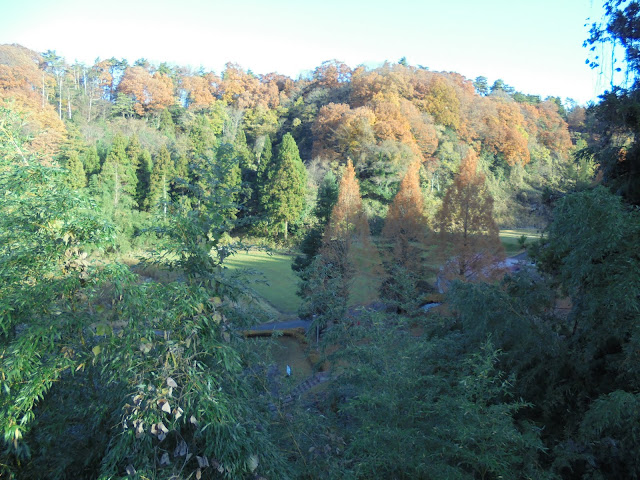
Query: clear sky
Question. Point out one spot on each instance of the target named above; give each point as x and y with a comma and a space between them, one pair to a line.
534, 46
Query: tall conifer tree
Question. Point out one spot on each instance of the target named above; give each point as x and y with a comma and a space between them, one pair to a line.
264, 160
134, 149
347, 231
91, 161
159, 182
118, 178
405, 225
467, 231
145, 167
77, 177
348, 220
284, 193
404, 236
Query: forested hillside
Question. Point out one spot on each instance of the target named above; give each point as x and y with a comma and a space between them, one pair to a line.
93, 116
126, 345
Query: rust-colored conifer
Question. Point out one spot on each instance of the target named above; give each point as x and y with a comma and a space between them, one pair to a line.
347, 230
404, 227
348, 220
467, 231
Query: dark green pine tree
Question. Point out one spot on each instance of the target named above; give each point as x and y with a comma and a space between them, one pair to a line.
264, 161
77, 177
91, 161
160, 182
134, 150
245, 156
179, 182
202, 138
229, 177
166, 125
284, 193
117, 180
327, 197
247, 164
145, 167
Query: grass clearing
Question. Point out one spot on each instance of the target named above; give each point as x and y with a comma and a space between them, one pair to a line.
274, 269
510, 239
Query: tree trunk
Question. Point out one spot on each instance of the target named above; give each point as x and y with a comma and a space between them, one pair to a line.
69, 103
60, 98
286, 228
164, 194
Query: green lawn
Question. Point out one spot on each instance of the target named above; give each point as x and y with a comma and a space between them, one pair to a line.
509, 239
281, 282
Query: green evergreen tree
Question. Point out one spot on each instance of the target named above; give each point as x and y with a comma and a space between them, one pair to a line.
327, 197
117, 180
123, 106
180, 177
166, 124
247, 164
77, 177
481, 85
134, 149
245, 157
202, 138
145, 167
284, 193
264, 160
91, 161
159, 183
229, 177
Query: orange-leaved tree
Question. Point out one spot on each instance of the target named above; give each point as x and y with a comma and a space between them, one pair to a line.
405, 225
348, 220
468, 234
347, 230
404, 235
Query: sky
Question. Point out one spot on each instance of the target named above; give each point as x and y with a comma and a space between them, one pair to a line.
534, 46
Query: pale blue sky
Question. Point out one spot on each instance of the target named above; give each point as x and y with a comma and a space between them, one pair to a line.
535, 46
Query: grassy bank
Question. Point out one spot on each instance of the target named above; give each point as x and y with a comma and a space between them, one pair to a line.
510, 239
270, 275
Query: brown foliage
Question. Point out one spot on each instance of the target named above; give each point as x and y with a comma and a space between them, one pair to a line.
348, 229
342, 132
425, 140
330, 117
331, 73
501, 127
243, 90
443, 103
468, 234
384, 108
348, 219
405, 225
200, 89
151, 93
21, 82
102, 71
553, 131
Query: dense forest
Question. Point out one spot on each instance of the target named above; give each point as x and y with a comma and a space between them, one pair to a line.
125, 345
